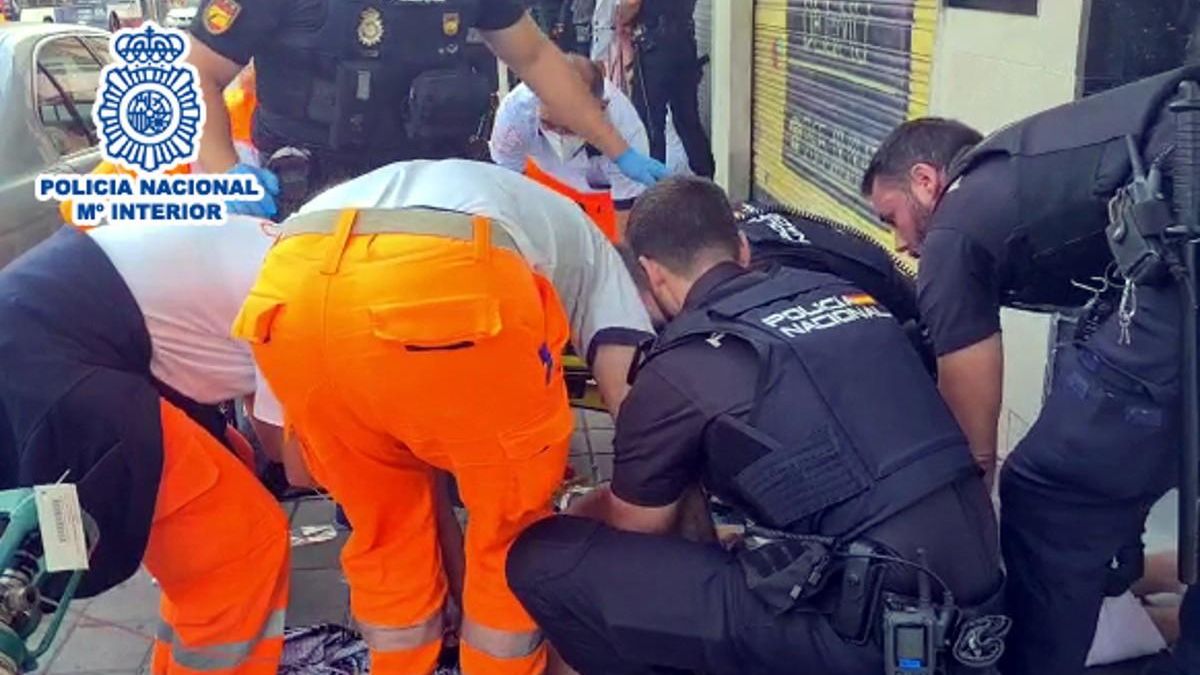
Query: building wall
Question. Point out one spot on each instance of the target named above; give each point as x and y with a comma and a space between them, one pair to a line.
730, 75
991, 69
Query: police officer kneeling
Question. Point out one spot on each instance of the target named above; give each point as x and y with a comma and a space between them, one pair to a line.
794, 397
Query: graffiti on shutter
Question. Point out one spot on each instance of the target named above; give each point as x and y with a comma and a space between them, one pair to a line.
831, 79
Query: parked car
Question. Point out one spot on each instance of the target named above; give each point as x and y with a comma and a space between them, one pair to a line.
181, 14
49, 74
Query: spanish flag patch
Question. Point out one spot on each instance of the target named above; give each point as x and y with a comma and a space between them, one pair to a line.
859, 299
219, 15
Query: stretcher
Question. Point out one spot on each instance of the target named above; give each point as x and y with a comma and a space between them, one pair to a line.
581, 388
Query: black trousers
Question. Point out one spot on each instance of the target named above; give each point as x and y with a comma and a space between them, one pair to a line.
668, 73
1076, 492
620, 603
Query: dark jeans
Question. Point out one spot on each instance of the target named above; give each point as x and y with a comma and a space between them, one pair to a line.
668, 74
1079, 486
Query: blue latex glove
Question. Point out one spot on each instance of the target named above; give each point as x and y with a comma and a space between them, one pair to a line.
645, 170
263, 208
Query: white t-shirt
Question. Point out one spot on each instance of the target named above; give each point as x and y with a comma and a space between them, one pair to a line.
516, 135
551, 232
190, 283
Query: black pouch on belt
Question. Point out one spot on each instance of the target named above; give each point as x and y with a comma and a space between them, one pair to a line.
783, 573
446, 104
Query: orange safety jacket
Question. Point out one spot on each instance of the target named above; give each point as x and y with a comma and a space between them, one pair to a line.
599, 206
241, 102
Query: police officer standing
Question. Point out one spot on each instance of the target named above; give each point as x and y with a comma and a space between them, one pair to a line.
863, 499
345, 87
668, 73
1014, 221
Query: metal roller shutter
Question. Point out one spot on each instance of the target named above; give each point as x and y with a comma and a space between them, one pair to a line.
831, 79
704, 40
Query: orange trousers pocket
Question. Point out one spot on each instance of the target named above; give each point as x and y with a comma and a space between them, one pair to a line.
219, 549
397, 353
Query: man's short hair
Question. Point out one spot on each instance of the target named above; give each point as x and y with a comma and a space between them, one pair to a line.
640, 279
930, 140
680, 220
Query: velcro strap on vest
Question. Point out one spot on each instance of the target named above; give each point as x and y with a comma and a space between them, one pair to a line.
938, 465
822, 463
501, 644
408, 638
417, 221
220, 657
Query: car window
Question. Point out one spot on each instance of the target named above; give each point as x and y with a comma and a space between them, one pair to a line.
67, 78
99, 47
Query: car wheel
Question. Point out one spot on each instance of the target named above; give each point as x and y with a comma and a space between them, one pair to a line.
47, 19
114, 24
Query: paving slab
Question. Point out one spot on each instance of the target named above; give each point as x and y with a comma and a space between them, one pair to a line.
103, 646
318, 596
322, 556
135, 600
601, 441
594, 419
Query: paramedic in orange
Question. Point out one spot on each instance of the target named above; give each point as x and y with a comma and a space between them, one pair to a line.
115, 352
412, 319
528, 138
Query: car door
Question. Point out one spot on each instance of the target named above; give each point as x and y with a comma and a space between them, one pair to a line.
64, 75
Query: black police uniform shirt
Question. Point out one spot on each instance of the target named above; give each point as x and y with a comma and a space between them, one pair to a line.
964, 259
658, 448
236, 29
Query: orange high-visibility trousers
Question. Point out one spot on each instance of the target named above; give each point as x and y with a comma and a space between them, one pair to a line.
219, 549
396, 353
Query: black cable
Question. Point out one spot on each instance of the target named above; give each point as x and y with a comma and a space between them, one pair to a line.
830, 542
947, 594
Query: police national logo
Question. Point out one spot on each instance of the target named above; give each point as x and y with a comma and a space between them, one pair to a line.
148, 113
828, 312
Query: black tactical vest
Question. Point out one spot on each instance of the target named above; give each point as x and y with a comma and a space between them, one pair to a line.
846, 429
779, 235
370, 76
1069, 161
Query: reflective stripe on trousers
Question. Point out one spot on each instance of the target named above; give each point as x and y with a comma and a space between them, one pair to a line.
387, 639
219, 657
501, 644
